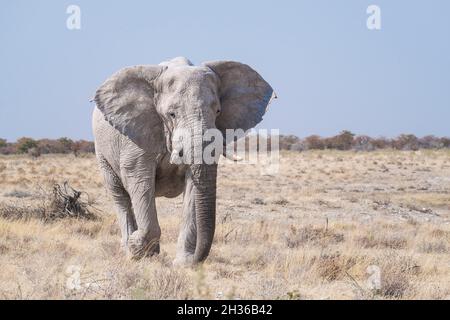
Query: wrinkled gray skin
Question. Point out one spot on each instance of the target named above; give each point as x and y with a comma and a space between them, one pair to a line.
137, 109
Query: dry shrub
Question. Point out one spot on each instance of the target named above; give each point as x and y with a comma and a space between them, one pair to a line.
441, 234
21, 211
89, 230
381, 241
270, 287
259, 201
221, 272
280, 201
333, 266
256, 259
62, 202
309, 234
243, 234
18, 194
168, 284
161, 284
433, 247
397, 273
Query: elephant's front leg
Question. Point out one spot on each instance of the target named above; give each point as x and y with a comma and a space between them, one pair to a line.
188, 231
145, 240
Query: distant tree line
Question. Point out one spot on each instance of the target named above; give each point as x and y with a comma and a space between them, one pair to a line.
45, 146
346, 140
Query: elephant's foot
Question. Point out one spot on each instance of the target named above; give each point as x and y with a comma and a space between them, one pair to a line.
142, 245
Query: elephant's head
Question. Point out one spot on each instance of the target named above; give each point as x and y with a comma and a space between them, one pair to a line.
153, 104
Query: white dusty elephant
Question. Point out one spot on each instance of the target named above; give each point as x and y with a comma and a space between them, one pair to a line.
137, 112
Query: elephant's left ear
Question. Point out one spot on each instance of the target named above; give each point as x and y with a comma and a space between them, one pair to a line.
244, 95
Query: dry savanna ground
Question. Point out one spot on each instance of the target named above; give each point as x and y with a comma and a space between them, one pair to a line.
329, 225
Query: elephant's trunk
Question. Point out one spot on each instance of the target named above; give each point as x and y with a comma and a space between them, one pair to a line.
204, 179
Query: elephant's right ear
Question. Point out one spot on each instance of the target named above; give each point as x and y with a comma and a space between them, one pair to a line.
126, 99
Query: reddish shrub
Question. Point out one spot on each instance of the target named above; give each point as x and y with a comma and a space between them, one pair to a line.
406, 142
315, 142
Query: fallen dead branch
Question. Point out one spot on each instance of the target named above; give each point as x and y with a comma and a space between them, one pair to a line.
62, 201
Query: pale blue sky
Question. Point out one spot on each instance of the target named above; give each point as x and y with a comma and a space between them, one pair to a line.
329, 71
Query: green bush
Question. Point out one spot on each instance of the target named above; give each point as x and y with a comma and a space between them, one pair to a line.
24, 144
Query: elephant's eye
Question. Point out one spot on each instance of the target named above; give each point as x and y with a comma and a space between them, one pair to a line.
172, 115
218, 111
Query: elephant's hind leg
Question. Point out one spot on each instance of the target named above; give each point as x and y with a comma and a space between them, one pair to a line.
121, 200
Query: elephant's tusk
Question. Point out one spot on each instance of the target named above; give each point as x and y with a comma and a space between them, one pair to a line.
233, 157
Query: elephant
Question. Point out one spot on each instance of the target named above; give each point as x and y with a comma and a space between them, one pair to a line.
137, 110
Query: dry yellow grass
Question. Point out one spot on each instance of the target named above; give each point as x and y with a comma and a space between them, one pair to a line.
310, 232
